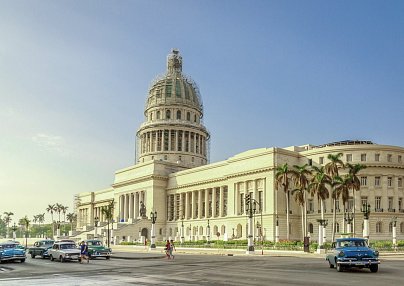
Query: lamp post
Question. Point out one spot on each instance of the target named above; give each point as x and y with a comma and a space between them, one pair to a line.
14, 228
394, 223
208, 230
249, 209
182, 229
96, 220
325, 223
58, 228
277, 229
348, 217
153, 216
366, 213
321, 222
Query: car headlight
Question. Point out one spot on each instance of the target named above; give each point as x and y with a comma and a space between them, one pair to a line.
67, 255
376, 253
341, 254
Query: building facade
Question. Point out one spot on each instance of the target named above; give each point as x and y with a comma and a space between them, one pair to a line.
196, 200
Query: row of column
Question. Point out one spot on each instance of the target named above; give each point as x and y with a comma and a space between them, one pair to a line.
206, 203
130, 206
253, 188
173, 140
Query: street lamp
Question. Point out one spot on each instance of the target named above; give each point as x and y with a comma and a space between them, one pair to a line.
250, 209
153, 217
394, 224
182, 229
277, 229
208, 230
366, 213
14, 228
190, 232
96, 220
321, 226
348, 217
325, 223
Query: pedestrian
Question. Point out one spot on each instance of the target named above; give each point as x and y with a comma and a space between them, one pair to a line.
172, 248
167, 249
145, 243
84, 252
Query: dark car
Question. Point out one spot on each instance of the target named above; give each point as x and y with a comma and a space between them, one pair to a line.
97, 249
352, 252
41, 248
12, 251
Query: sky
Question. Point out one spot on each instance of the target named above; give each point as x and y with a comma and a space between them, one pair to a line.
74, 78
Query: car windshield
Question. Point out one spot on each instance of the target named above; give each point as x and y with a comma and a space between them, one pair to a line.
4, 246
67, 246
352, 243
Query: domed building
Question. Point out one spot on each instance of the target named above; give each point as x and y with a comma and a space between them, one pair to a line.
174, 189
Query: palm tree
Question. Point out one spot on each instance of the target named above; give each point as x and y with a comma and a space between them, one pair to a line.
24, 222
318, 186
331, 168
71, 217
41, 220
300, 176
354, 184
59, 209
108, 211
51, 209
282, 177
341, 189
7, 220
64, 210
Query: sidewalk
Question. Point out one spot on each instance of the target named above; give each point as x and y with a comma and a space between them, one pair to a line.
140, 252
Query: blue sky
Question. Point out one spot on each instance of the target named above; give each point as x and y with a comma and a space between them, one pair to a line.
74, 77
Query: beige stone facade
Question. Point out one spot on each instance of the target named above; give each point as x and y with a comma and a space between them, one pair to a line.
196, 200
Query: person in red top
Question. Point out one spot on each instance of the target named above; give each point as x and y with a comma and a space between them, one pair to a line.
167, 249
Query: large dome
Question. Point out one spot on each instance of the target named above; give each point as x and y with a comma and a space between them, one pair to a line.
173, 87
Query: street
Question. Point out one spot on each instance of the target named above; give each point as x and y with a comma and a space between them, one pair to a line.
188, 269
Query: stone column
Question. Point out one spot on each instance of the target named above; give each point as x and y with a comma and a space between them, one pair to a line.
193, 202
206, 203
121, 207
137, 202
199, 204
221, 201
131, 209
214, 214
187, 207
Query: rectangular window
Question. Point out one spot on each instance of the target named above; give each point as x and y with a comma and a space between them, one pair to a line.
363, 157
391, 204
389, 181
364, 181
400, 182
364, 201
311, 206
377, 157
400, 204
349, 157
337, 205
378, 203
350, 204
377, 181
399, 159
321, 160
389, 158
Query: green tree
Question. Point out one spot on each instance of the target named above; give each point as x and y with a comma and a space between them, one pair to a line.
71, 217
354, 184
7, 220
24, 222
108, 212
341, 189
282, 179
331, 168
51, 209
301, 176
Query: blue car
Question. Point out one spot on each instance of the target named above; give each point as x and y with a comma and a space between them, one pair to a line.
12, 251
352, 252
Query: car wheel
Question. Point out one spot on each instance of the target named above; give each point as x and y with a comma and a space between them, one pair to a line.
108, 257
374, 268
340, 268
22, 260
32, 255
61, 259
51, 258
330, 264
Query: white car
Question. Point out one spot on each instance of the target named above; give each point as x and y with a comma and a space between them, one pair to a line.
64, 251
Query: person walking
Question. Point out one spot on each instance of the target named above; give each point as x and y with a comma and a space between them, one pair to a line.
172, 248
84, 252
167, 249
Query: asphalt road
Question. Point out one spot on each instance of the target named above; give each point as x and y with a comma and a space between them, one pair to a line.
188, 269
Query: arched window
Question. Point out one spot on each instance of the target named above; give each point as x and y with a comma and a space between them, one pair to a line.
188, 116
151, 116
201, 230
195, 118
379, 227
390, 227
178, 114
337, 227
311, 228
168, 114
158, 114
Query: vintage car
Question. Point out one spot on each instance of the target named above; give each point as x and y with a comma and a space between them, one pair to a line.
64, 251
41, 248
97, 249
12, 251
352, 252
